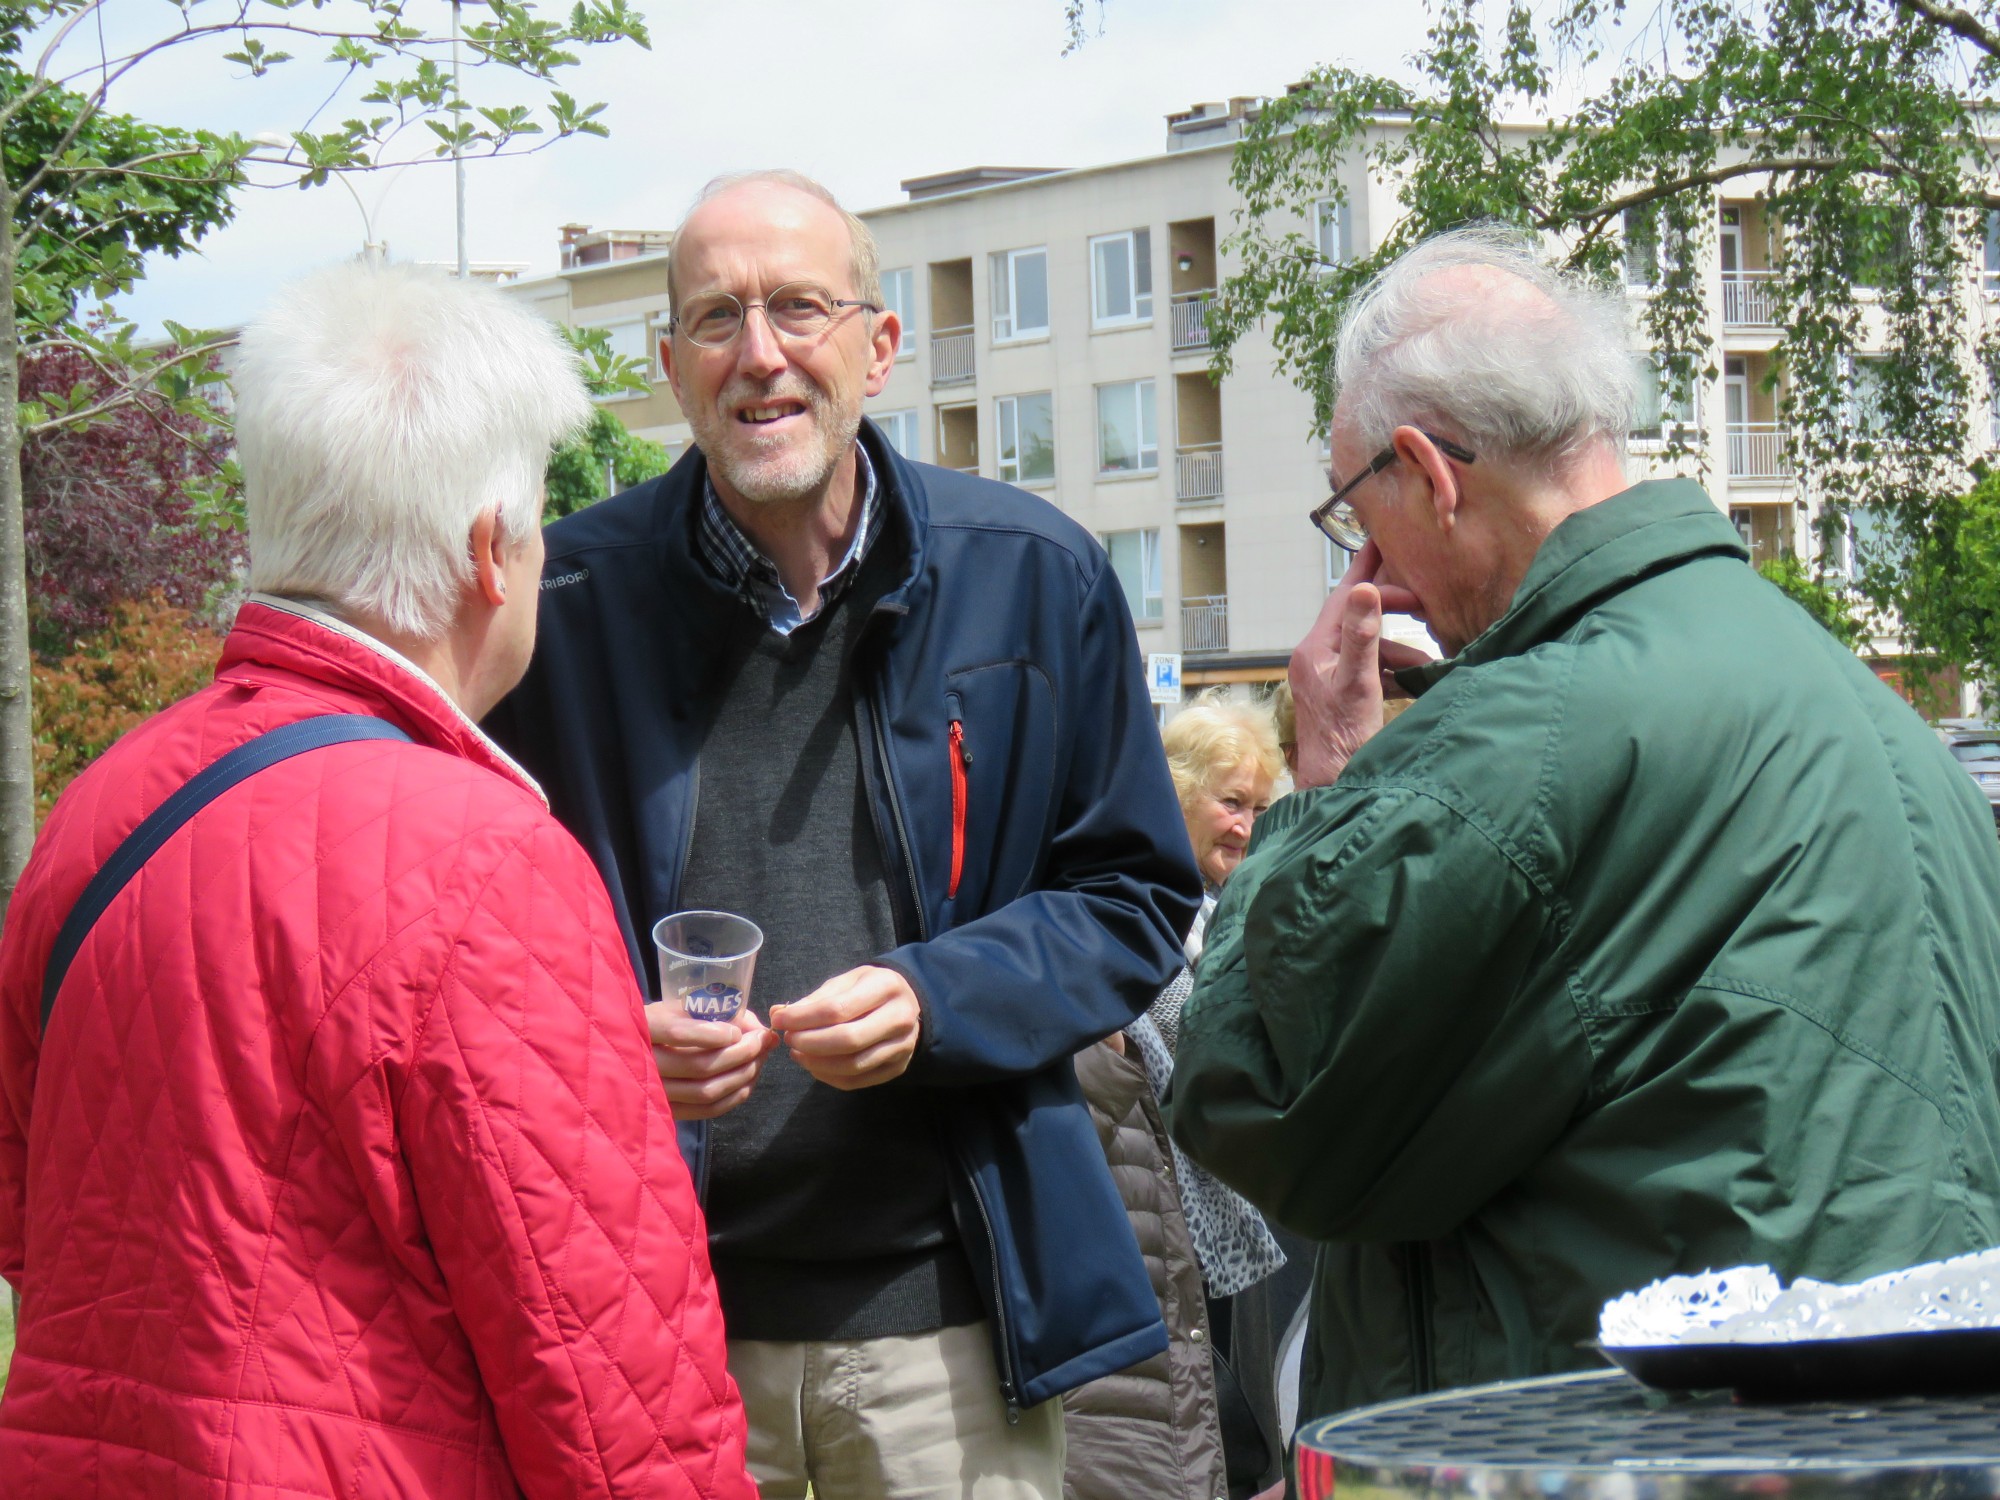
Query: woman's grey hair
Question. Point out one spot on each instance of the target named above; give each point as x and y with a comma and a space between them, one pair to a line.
1474, 332
865, 263
379, 412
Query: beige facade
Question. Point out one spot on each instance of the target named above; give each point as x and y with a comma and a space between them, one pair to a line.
1055, 336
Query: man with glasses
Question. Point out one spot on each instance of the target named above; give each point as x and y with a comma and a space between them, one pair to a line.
1655, 936
893, 715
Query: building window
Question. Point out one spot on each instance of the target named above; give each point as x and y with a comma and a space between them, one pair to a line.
1867, 405
1128, 440
1121, 278
1135, 558
1869, 539
1663, 411
1878, 251
900, 428
899, 296
1020, 295
1990, 278
1338, 561
1642, 247
1027, 431
1333, 231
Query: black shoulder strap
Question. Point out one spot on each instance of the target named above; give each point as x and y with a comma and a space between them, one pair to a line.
212, 781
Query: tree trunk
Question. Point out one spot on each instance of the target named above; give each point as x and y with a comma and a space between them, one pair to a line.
17, 725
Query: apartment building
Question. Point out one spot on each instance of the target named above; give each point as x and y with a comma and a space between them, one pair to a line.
1055, 336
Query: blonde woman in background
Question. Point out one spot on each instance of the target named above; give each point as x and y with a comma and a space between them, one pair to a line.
1181, 1425
1225, 758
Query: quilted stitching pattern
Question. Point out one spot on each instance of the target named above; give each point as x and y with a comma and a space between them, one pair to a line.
349, 1173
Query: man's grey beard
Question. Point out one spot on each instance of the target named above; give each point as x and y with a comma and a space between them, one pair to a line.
792, 477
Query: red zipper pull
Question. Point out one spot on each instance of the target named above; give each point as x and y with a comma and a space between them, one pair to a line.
961, 762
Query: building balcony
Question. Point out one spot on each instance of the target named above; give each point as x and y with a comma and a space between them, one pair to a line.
1757, 451
1198, 472
951, 356
1205, 623
1190, 320
1746, 299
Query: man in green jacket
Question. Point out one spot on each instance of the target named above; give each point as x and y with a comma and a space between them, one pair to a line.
1657, 935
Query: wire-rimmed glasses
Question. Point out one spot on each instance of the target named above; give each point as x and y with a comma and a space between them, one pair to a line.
1337, 519
798, 310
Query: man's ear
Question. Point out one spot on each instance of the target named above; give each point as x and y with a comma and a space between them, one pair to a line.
489, 562
669, 343
1415, 448
883, 341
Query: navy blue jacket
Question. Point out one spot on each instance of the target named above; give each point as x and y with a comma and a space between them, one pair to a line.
1037, 858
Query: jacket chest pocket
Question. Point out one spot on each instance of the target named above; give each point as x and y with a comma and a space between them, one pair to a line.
1000, 757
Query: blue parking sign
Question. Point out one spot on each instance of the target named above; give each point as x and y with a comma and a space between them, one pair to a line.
1163, 676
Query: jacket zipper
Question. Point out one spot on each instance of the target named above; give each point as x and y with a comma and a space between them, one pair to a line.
1417, 1280
912, 890
1010, 1383
687, 853
961, 769
1010, 1388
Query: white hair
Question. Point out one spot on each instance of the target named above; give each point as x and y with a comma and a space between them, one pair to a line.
1535, 371
379, 412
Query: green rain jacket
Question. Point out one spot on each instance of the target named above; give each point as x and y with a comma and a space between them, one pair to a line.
1658, 935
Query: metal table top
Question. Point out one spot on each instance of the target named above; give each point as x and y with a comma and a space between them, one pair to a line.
1601, 1434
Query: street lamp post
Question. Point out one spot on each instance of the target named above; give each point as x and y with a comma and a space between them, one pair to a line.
457, 158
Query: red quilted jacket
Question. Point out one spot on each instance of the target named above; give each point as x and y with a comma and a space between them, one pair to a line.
345, 1169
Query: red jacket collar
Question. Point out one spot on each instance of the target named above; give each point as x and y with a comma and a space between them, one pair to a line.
288, 636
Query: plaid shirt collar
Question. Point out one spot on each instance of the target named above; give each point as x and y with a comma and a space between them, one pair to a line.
745, 568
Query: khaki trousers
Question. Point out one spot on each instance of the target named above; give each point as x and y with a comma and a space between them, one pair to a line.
907, 1418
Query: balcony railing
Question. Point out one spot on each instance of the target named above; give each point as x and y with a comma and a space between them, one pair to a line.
1190, 317
1746, 299
951, 356
1198, 472
1205, 623
1757, 451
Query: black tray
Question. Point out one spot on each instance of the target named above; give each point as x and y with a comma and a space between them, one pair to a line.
1949, 1362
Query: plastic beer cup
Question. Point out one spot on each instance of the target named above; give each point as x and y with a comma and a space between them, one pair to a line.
707, 959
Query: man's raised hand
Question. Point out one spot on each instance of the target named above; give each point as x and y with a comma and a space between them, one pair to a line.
1341, 671
856, 1030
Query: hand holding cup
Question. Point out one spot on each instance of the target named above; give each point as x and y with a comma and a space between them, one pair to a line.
708, 1043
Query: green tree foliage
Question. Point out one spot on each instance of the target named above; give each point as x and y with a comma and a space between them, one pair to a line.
88, 242
604, 458
1855, 124
1825, 599
1953, 599
85, 191
598, 463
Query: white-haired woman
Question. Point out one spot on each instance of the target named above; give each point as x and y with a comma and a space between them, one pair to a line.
333, 1160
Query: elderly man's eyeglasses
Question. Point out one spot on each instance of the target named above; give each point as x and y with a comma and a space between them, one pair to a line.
798, 310
1336, 517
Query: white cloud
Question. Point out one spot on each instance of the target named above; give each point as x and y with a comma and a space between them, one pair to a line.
861, 95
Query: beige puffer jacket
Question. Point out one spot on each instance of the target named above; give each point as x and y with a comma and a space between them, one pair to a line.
1150, 1430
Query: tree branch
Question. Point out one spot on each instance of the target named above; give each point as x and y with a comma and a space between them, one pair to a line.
1959, 21
62, 32
1612, 207
126, 393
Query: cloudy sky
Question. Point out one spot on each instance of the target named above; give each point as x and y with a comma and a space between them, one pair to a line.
860, 93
